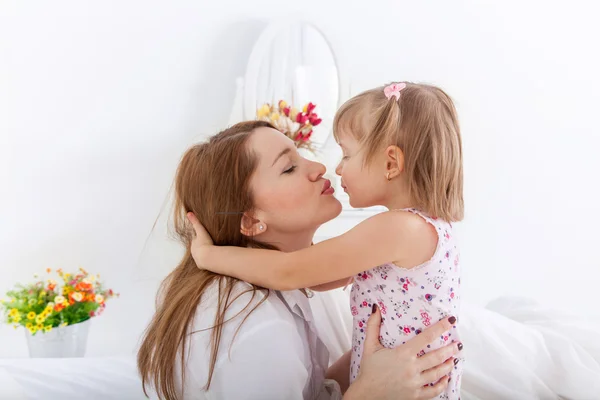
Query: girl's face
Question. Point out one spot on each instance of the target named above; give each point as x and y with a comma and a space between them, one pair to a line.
365, 185
289, 192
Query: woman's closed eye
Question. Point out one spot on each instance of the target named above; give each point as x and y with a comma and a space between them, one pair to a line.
290, 170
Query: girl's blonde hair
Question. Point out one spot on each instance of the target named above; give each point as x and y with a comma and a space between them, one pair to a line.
423, 123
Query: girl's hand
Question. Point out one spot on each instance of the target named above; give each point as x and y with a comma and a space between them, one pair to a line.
201, 241
399, 373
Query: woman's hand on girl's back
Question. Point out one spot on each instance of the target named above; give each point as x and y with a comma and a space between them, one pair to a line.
400, 373
201, 241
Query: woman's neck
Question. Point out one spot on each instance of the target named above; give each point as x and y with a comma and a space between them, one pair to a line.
289, 241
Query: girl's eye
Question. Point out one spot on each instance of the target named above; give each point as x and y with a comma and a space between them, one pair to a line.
345, 158
290, 170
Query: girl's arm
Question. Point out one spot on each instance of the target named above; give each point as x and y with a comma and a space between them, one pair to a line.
386, 237
332, 285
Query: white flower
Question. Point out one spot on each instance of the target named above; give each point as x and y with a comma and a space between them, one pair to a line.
59, 299
99, 298
77, 296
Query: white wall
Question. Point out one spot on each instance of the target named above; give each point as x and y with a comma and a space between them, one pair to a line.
100, 99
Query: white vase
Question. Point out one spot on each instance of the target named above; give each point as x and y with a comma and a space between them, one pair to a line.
69, 341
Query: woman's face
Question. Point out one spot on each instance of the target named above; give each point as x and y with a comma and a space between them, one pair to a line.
289, 192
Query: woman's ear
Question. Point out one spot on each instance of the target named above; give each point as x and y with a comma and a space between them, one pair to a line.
250, 226
394, 162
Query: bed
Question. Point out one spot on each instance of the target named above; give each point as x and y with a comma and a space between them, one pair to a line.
515, 349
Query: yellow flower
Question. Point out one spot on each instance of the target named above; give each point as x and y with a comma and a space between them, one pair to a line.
47, 328
275, 116
28, 325
64, 324
65, 303
99, 298
263, 111
40, 302
32, 329
43, 293
15, 326
13, 312
31, 315
77, 296
293, 113
66, 276
59, 299
282, 104
17, 318
39, 327
66, 290
39, 319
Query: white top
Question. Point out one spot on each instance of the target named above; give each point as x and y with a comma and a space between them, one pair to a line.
276, 353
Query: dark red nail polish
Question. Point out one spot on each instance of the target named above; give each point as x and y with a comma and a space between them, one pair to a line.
374, 308
449, 379
455, 361
452, 320
460, 346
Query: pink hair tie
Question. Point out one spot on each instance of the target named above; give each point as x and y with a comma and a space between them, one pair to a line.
393, 90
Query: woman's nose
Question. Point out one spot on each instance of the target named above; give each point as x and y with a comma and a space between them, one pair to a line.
317, 171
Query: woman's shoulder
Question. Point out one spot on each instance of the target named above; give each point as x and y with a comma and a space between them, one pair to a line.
252, 306
254, 322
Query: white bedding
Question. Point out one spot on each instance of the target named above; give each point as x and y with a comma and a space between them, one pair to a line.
515, 350
69, 378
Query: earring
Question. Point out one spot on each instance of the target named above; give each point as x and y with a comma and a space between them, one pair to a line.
261, 227
387, 176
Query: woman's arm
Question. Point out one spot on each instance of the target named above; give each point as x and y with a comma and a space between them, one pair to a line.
386, 237
340, 371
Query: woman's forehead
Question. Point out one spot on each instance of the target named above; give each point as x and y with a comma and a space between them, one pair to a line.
268, 142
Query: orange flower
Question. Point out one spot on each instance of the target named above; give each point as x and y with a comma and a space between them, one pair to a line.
83, 287
90, 297
58, 307
48, 270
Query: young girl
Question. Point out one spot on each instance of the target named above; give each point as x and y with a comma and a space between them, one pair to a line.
401, 149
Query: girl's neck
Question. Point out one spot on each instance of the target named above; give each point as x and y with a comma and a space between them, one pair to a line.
399, 201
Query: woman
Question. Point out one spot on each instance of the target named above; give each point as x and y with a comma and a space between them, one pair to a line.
215, 337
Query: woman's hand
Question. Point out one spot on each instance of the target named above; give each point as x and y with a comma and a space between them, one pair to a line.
399, 373
201, 241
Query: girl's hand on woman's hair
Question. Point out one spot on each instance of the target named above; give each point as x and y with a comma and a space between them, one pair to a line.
201, 240
399, 373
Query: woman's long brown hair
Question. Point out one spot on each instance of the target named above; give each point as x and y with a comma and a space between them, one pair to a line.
213, 182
